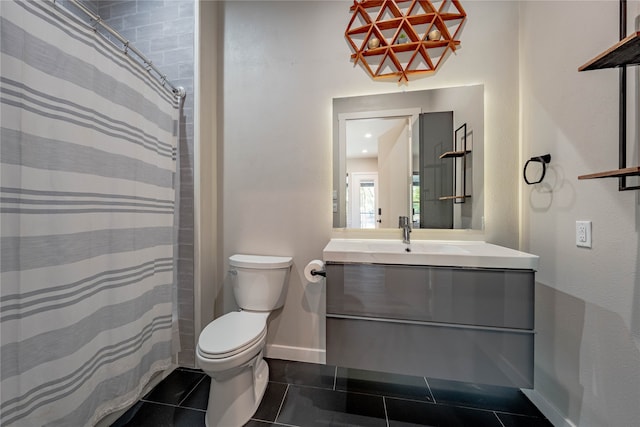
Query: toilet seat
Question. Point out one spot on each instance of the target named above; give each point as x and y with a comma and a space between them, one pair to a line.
232, 334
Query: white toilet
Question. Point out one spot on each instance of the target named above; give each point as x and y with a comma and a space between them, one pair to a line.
230, 349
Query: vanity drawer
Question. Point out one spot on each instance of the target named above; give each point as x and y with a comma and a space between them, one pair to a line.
456, 353
464, 296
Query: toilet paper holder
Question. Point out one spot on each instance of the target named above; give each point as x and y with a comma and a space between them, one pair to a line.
314, 271
322, 273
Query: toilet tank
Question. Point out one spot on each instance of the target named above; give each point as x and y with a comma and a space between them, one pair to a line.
259, 281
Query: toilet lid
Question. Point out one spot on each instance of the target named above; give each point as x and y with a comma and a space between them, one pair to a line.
260, 261
232, 333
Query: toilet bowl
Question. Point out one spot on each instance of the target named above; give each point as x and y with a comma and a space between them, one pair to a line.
230, 349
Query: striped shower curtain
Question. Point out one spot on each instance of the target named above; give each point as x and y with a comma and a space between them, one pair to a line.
88, 162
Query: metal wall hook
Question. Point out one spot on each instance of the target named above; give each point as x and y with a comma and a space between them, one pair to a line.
322, 273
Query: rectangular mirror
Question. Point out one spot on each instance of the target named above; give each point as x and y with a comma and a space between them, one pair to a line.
418, 154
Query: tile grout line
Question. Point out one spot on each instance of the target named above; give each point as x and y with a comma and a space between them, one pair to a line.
284, 396
429, 388
171, 405
191, 391
386, 414
463, 403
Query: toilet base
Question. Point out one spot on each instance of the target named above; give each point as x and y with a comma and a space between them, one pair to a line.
235, 396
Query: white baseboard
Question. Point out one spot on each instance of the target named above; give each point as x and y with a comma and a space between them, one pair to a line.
548, 410
300, 354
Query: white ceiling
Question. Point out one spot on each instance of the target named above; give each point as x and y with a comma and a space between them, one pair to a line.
357, 129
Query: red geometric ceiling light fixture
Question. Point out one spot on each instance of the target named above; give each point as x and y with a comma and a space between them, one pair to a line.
399, 38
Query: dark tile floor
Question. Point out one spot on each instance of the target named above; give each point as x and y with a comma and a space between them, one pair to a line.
306, 394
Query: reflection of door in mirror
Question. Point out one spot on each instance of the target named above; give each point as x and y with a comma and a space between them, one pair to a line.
380, 146
364, 200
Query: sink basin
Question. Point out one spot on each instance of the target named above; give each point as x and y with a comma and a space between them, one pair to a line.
475, 254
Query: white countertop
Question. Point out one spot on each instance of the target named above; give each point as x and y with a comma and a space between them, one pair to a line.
475, 254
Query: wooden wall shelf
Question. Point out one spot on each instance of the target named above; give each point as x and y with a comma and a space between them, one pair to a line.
387, 20
625, 52
622, 54
617, 173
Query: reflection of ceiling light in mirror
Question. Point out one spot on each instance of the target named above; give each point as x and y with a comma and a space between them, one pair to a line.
365, 151
367, 135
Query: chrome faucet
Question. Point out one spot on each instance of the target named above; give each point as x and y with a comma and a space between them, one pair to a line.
403, 222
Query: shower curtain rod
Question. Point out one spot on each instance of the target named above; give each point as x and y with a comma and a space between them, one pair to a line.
147, 64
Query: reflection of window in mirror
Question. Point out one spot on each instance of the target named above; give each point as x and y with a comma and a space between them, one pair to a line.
367, 204
415, 200
364, 199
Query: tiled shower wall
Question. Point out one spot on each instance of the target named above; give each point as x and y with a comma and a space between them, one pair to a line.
163, 30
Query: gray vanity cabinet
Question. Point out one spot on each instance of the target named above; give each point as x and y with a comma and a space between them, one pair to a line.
464, 324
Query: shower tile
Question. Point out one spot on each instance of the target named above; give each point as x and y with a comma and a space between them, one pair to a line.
185, 251
164, 43
301, 373
116, 23
185, 70
179, 26
149, 414
411, 413
147, 32
143, 45
134, 20
186, 222
175, 387
129, 34
503, 399
186, 40
178, 56
185, 267
166, 12
186, 9
309, 407
122, 8
383, 384
187, 358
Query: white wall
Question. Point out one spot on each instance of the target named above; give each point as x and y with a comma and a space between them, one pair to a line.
283, 62
587, 365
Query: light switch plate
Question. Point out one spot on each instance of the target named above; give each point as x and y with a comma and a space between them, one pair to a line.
583, 234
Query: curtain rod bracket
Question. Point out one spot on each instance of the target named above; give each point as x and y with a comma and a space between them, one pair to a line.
180, 92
